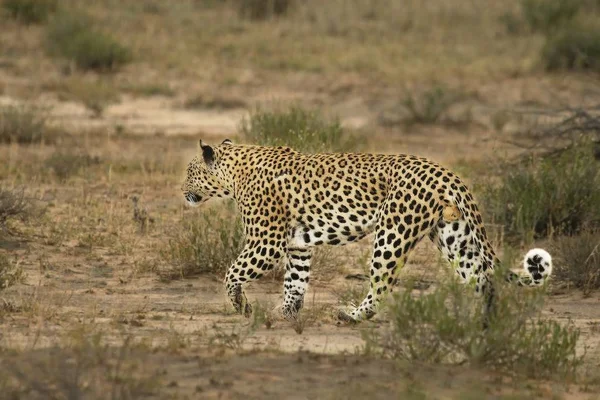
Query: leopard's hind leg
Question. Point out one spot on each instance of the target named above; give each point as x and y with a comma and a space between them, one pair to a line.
400, 227
466, 248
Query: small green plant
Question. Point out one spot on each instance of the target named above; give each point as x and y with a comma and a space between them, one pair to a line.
445, 326
67, 164
207, 243
30, 11
575, 47
430, 106
262, 9
73, 37
11, 272
302, 129
541, 197
23, 125
548, 15
577, 260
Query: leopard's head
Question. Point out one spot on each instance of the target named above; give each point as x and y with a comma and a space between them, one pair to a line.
205, 178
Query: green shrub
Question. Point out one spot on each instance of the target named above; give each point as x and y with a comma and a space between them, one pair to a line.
262, 9
24, 125
429, 106
207, 243
548, 15
539, 197
73, 37
30, 11
576, 47
95, 95
445, 326
304, 130
577, 260
67, 164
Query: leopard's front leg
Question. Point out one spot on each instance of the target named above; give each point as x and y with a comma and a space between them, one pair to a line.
257, 258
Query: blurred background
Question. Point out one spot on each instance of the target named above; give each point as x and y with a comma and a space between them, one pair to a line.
428, 75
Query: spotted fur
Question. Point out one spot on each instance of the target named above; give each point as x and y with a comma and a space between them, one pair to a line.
291, 201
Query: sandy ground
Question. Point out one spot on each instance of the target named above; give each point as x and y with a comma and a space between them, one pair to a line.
72, 286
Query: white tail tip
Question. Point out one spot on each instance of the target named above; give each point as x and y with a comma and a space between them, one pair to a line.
538, 265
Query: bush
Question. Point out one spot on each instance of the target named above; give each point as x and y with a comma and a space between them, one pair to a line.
13, 206
547, 15
10, 272
445, 326
430, 106
262, 9
208, 243
304, 130
539, 197
24, 125
577, 260
65, 164
95, 95
73, 37
576, 47
30, 11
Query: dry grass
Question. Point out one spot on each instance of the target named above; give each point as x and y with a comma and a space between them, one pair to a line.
85, 366
578, 260
23, 124
75, 37
30, 11
96, 93
92, 260
207, 243
10, 271
14, 205
445, 326
332, 39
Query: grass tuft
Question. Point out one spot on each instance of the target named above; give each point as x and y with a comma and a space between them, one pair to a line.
542, 197
67, 164
445, 326
576, 47
86, 367
11, 272
73, 37
577, 260
95, 95
13, 206
548, 15
304, 130
30, 11
23, 125
430, 106
207, 243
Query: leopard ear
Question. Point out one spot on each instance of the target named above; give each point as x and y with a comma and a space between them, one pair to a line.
227, 142
207, 153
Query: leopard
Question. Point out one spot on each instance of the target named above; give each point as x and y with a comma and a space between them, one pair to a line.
290, 202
